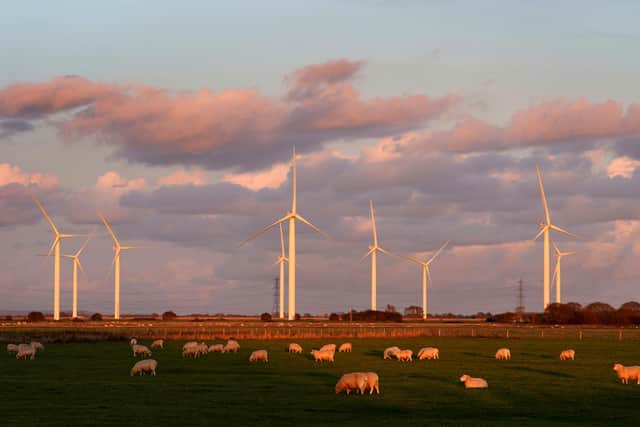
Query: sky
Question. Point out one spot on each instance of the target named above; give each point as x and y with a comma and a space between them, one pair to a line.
178, 122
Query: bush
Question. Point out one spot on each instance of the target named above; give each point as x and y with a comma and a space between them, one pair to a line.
333, 317
265, 317
96, 317
169, 315
35, 316
77, 320
373, 316
8, 318
297, 316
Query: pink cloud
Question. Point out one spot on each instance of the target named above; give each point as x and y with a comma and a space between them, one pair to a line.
10, 174
182, 177
272, 177
622, 166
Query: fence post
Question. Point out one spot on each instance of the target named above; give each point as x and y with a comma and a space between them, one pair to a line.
620, 335
507, 333
580, 335
438, 332
541, 333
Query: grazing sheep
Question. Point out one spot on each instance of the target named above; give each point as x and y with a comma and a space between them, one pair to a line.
321, 356
345, 348
390, 352
470, 382
26, 351
203, 348
428, 353
147, 365
328, 347
404, 355
568, 354
189, 344
140, 350
157, 344
133, 342
191, 352
353, 381
372, 382
503, 354
216, 348
37, 345
626, 373
231, 347
259, 355
12, 348
295, 348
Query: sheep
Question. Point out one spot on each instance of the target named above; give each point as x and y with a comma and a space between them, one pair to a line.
372, 382
133, 342
390, 352
231, 347
157, 344
503, 354
259, 355
26, 351
191, 351
568, 354
352, 381
203, 348
404, 355
147, 365
295, 348
470, 382
428, 353
216, 348
328, 347
140, 350
345, 348
189, 344
626, 373
37, 345
12, 348
320, 356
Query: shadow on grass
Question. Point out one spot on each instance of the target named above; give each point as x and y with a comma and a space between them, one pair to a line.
541, 371
539, 356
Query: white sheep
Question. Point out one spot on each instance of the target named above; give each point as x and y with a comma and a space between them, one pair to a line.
328, 347
295, 348
140, 350
133, 342
37, 345
321, 356
390, 352
231, 347
12, 348
216, 348
192, 351
147, 365
157, 344
404, 355
259, 355
26, 351
353, 381
626, 373
345, 348
428, 353
203, 348
373, 382
189, 344
503, 354
470, 382
568, 354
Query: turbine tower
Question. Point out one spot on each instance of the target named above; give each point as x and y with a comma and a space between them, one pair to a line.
373, 250
557, 272
117, 249
545, 229
291, 217
55, 249
426, 275
282, 259
76, 264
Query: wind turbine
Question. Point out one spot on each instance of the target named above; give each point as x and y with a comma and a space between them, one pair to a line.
545, 228
76, 264
373, 250
426, 275
117, 249
55, 249
291, 216
557, 272
281, 260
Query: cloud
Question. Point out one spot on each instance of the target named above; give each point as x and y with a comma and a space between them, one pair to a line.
183, 177
622, 166
11, 174
272, 177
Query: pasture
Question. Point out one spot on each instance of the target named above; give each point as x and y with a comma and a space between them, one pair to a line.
89, 384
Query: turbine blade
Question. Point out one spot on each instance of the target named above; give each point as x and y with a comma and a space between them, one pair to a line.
282, 253
541, 232
83, 246
367, 254
429, 276
46, 216
106, 224
316, 229
293, 181
53, 245
437, 252
404, 257
543, 197
386, 252
563, 231
373, 224
77, 260
264, 230
555, 247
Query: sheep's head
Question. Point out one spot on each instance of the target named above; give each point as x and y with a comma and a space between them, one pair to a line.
464, 378
617, 367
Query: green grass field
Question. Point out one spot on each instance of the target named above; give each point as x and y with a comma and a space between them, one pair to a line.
89, 384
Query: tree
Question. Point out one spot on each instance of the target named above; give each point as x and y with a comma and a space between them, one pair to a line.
169, 315
599, 313
413, 311
333, 317
391, 308
265, 317
96, 317
35, 316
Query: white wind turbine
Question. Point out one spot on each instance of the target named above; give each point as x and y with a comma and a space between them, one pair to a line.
55, 248
426, 275
282, 259
557, 274
373, 250
76, 264
117, 249
291, 216
545, 231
